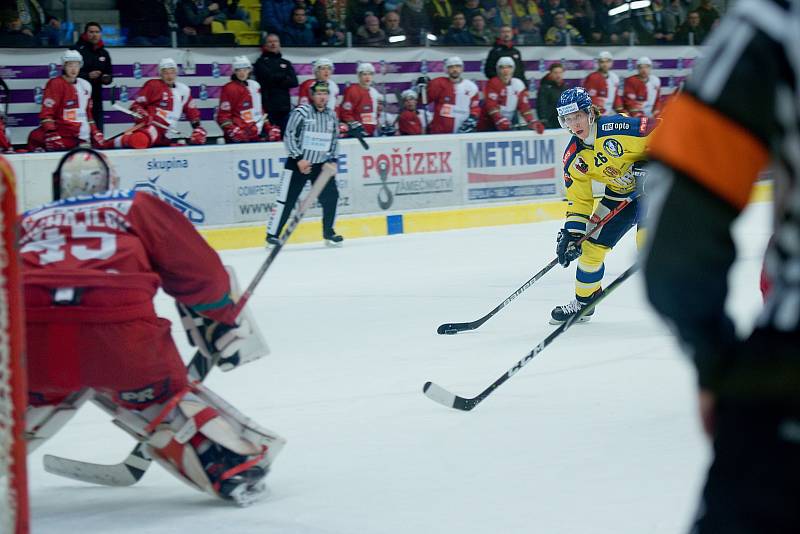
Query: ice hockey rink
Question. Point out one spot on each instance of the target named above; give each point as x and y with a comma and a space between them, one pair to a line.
598, 434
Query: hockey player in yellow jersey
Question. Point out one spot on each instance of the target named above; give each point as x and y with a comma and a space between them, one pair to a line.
610, 150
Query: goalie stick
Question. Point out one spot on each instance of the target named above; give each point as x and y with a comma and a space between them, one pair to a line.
438, 394
133, 468
455, 328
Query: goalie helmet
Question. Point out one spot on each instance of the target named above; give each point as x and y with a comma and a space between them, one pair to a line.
71, 56
83, 171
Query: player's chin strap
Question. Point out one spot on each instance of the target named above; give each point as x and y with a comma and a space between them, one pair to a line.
203, 441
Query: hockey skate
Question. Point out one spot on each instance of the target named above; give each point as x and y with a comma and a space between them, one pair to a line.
561, 314
333, 239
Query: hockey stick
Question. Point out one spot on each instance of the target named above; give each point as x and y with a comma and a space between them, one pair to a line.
133, 468
455, 328
437, 393
123, 109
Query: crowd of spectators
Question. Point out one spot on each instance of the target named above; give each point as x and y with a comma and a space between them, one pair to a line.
383, 22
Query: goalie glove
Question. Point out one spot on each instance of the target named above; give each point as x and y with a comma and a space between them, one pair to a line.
355, 129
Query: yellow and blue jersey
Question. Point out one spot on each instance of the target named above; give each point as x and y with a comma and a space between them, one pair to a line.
620, 142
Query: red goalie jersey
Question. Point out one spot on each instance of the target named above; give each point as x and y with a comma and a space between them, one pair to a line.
91, 267
503, 102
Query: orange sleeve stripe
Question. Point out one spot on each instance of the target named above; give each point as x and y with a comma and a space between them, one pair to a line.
711, 148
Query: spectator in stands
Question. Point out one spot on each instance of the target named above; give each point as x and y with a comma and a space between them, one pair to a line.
582, 17
357, 10
562, 33
675, 13
299, 31
549, 92
505, 15
529, 8
12, 34
691, 32
234, 12
472, 8
708, 15
332, 35
440, 13
276, 15
605, 28
147, 21
195, 17
276, 76
370, 34
529, 33
458, 35
663, 24
391, 27
481, 35
415, 20
37, 23
96, 68
504, 47
549, 10
334, 11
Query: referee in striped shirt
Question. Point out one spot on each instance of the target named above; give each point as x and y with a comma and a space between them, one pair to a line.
311, 139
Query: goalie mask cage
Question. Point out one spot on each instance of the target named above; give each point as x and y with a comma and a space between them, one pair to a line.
13, 394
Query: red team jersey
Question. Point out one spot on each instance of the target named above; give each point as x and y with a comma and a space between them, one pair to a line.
165, 105
304, 93
504, 100
360, 104
67, 107
604, 90
642, 98
109, 253
452, 104
240, 106
410, 122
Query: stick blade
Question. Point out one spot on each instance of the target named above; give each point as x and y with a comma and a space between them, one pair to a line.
437, 393
452, 328
123, 474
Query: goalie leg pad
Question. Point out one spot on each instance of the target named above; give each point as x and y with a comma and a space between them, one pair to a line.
211, 446
43, 422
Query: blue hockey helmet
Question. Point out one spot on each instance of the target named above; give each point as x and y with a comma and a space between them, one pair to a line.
573, 100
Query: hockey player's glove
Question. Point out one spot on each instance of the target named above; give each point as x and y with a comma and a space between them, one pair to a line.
502, 123
53, 141
567, 248
387, 130
273, 133
355, 129
98, 140
468, 125
537, 126
236, 135
198, 136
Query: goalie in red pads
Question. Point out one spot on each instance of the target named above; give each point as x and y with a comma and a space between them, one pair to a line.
240, 114
92, 262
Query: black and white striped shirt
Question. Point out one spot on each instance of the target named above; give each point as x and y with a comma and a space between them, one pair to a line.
312, 135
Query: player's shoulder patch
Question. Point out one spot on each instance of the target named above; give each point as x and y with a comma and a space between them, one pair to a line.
573, 147
619, 125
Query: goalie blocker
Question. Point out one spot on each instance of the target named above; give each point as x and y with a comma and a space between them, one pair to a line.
89, 279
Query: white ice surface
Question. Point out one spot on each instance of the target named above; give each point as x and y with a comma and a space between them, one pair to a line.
598, 434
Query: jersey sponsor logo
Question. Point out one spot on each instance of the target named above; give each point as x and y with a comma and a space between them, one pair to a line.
49, 102
613, 148
146, 394
177, 201
569, 152
611, 172
225, 106
609, 126
493, 96
643, 125
347, 105
581, 165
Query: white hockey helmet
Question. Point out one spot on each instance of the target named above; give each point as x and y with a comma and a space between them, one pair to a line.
644, 60
324, 62
167, 63
505, 62
365, 67
71, 56
453, 60
83, 171
408, 94
241, 62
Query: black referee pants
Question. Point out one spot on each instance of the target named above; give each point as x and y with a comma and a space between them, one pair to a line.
753, 484
292, 183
